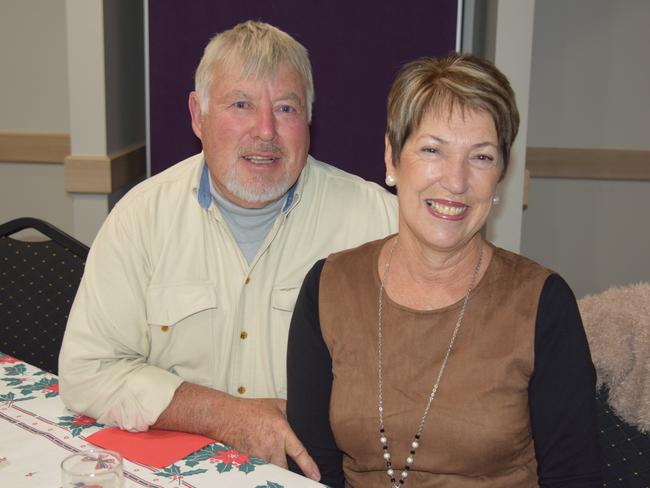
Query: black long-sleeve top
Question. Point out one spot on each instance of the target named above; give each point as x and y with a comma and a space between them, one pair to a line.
560, 393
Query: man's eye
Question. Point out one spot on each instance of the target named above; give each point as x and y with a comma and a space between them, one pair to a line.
241, 104
287, 109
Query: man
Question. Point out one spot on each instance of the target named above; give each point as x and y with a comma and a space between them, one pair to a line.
182, 316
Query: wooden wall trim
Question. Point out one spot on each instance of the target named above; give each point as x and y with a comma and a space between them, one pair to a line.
34, 147
107, 173
104, 174
599, 164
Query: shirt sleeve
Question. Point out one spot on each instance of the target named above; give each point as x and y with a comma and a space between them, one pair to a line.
562, 393
309, 383
103, 365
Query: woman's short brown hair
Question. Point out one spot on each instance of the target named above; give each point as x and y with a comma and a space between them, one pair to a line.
457, 81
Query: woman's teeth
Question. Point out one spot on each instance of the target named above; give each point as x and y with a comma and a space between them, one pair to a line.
445, 209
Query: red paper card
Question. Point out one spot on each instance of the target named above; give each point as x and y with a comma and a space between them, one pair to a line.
157, 448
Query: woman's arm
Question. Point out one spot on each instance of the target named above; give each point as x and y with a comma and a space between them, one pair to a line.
562, 393
309, 382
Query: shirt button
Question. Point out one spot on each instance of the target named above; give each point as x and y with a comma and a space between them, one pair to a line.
243, 335
248, 280
241, 390
164, 328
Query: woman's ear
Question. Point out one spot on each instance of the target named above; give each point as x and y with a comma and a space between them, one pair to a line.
391, 179
388, 156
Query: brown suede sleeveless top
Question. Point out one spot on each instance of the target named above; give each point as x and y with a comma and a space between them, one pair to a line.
477, 433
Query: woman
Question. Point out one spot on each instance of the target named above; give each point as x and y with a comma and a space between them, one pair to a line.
432, 358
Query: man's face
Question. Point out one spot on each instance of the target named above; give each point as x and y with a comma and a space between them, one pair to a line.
255, 134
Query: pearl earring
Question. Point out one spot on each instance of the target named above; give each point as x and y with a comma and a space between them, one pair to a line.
496, 199
390, 180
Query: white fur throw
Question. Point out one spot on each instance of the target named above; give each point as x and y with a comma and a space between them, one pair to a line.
617, 322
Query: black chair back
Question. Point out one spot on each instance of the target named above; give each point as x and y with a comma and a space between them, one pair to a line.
625, 450
38, 283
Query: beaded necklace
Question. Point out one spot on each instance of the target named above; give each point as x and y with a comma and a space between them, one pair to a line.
383, 436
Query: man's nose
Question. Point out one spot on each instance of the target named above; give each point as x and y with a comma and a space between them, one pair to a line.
264, 127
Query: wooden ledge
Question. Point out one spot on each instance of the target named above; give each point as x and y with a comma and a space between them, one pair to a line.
104, 173
598, 164
34, 147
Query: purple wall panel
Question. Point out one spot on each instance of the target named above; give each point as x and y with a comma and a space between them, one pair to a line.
356, 47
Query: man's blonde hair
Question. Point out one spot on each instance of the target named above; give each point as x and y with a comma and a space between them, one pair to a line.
460, 81
258, 49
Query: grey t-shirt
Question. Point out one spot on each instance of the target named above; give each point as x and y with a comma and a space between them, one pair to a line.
249, 226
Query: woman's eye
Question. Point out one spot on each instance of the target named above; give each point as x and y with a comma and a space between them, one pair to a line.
430, 150
483, 160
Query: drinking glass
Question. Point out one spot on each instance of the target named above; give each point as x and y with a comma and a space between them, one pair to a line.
94, 468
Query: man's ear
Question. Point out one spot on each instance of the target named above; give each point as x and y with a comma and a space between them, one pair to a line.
195, 111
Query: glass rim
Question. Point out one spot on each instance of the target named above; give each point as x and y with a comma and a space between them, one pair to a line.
72, 472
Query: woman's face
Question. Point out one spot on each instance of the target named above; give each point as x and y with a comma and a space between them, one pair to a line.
446, 177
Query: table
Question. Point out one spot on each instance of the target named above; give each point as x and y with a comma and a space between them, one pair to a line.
37, 432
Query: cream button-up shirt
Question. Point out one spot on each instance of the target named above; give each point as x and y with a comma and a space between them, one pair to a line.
168, 297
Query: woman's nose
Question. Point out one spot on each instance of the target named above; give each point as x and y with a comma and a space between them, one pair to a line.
455, 176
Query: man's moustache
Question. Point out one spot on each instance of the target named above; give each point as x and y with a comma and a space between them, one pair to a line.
274, 149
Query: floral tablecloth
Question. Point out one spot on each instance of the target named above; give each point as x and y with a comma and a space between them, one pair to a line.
37, 432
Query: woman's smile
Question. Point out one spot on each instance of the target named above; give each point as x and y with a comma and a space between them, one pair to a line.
447, 209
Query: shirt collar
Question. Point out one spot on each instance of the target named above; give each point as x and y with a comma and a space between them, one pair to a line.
290, 195
204, 196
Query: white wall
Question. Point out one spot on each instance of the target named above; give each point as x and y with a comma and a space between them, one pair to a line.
591, 74
86, 74
589, 89
595, 233
34, 84
35, 190
76, 67
34, 98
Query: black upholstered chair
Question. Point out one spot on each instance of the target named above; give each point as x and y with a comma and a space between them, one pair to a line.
38, 282
625, 450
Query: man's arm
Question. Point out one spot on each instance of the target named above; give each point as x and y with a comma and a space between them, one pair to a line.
104, 371
103, 368
258, 426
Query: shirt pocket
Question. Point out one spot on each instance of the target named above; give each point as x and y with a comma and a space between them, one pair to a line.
284, 298
283, 301
181, 318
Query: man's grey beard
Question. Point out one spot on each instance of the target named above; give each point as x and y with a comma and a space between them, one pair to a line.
258, 192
